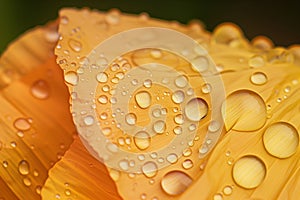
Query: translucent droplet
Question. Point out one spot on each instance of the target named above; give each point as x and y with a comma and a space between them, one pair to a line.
175, 182
130, 118
106, 131
287, 89
172, 158
67, 192
181, 81
148, 83
102, 77
178, 96
156, 112
258, 78
256, 61
187, 152
142, 140
187, 164
27, 182
159, 126
71, 78
218, 197
103, 115
227, 190
75, 45
113, 17
249, 172
214, 126
124, 165
196, 109
179, 119
206, 88
22, 124
143, 196
143, 99
200, 63
281, 140
102, 99
88, 120
5, 164
38, 189
23, 167
40, 89
156, 53
177, 130
149, 169
64, 20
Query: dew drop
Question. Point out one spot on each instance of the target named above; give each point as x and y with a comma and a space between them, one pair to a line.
172, 158
102, 99
175, 182
179, 119
181, 81
156, 53
142, 140
143, 99
67, 192
102, 77
106, 131
258, 78
227, 190
40, 89
113, 17
218, 197
177, 130
71, 78
187, 152
206, 88
178, 96
22, 124
27, 182
75, 45
149, 169
159, 126
64, 20
196, 109
187, 164
147, 83
124, 165
23, 167
281, 140
214, 126
88, 120
249, 172
5, 164
200, 63
130, 118
256, 61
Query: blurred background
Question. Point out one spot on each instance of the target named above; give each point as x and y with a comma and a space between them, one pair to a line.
279, 20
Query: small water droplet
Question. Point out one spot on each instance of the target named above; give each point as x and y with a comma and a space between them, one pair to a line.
177, 130
149, 169
187, 152
22, 124
172, 158
179, 119
206, 88
159, 126
227, 190
256, 61
181, 81
143, 99
124, 165
147, 83
38, 189
218, 196
178, 96
187, 164
102, 77
196, 109
88, 120
200, 63
258, 78
156, 53
113, 17
103, 116
67, 192
287, 89
130, 118
175, 182
5, 164
75, 45
71, 77
106, 131
27, 182
134, 82
214, 126
64, 20
142, 140
102, 99
40, 89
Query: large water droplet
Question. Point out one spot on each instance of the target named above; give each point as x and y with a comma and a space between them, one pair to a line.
181, 81
130, 118
178, 96
249, 172
40, 89
142, 140
71, 78
149, 169
159, 126
143, 99
22, 124
258, 78
23, 167
102, 77
175, 182
281, 140
244, 110
196, 109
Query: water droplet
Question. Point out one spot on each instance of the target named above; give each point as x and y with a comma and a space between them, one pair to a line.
134, 82
281, 140
256, 61
23, 167
120, 75
177, 130
287, 89
88, 120
149, 169
218, 197
75, 45
206, 88
249, 172
142, 140
179, 119
203, 149
178, 96
227, 190
181, 81
103, 116
187, 164
13, 144
130, 118
64, 20
172, 158
102, 99
148, 83
175, 182
71, 78
187, 152
40, 89
114, 174
196, 109
200, 63
22, 124
159, 126
143, 196
27, 182
143, 99
258, 78
5, 164
156, 53
214, 126
38, 189
124, 165
244, 110
102, 77
67, 192
113, 17
106, 131
156, 112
